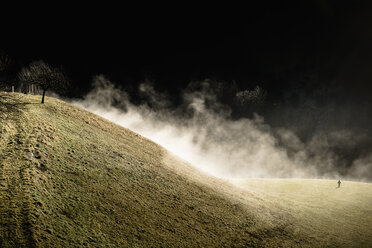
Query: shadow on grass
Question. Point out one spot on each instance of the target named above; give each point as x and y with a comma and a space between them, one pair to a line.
12, 105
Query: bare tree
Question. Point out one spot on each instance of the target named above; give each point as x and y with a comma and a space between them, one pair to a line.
5, 63
256, 96
45, 76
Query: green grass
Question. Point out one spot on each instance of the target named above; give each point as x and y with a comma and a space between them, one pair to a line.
339, 216
92, 183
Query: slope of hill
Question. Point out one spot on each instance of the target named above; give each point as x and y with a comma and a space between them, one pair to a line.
69, 178
338, 216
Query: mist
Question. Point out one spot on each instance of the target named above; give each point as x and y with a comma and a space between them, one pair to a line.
202, 131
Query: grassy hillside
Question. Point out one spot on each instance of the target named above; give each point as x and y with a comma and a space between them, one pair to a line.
69, 178
338, 216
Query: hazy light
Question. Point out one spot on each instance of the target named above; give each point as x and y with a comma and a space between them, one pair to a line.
215, 143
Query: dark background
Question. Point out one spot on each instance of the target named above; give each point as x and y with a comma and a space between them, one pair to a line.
313, 58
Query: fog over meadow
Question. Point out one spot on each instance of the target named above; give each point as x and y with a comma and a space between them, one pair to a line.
202, 132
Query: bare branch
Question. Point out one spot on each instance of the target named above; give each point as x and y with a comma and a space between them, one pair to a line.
45, 76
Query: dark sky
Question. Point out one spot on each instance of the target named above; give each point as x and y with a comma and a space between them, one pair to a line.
313, 58
272, 43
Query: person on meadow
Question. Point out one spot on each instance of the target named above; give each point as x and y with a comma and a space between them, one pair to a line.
339, 183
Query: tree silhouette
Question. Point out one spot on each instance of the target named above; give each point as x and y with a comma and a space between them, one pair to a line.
5, 63
256, 96
45, 76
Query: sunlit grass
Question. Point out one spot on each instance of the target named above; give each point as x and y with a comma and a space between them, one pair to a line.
93, 183
338, 215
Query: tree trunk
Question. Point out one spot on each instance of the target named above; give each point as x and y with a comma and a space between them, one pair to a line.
42, 99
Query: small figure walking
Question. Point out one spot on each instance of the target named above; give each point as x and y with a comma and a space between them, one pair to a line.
339, 183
